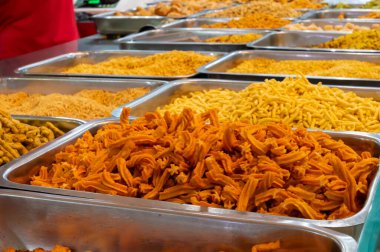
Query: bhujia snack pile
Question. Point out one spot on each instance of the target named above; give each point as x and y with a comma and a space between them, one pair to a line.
18, 138
86, 104
195, 159
170, 63
331, 67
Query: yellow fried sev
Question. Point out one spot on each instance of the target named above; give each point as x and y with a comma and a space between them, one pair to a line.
294, 101
172, 63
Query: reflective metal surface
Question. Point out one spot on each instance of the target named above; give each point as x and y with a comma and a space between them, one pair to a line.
335, 13
218, 68
165, 94
46, 85
301, 41
338, 22
55, 66
84, 225
198, 22
17, 175
184, 39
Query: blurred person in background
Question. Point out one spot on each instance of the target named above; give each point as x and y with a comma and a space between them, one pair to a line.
31, 25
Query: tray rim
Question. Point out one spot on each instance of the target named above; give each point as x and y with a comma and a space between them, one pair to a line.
24, 70
344, 241
285, 48
129, 38
204, 69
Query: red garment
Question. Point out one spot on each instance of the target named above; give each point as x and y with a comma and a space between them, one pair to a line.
30, 25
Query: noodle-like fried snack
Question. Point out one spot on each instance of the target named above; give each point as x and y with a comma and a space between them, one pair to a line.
170, 63
195, 159
256, 20
294, 101
235, 38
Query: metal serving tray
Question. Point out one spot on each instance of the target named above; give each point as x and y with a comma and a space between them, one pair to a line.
17, 174
63, 123
198, 22
51, 220
218, 68
55, 66
334, 13
322, 22
109, 24
165, 94
301, 41
184, 39
46, 85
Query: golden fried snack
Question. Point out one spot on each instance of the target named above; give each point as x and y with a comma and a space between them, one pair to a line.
235, 38
172, 63
257, 20
176, 8
311, 106
262, 7
18, 138
195, 159
266, 247
371, 15
57, 248
86, 104
361, 40
336, 68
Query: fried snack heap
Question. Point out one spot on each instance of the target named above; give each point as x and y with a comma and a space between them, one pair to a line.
57, 248
345, 27
194, 159
294, 101
304, 4
257, 20
86, 104
368, 40
266, 247
235, 38
262, 7
175, 8
336, 68
170, 63
371, 15
18, 138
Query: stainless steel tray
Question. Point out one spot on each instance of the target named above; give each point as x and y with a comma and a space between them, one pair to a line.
55, 66
63, 123
46, 85
334, 13
165, 94
108, 24
51, 220
17, 174
322, 22
301, 41
198, 22
184, 39
218, 68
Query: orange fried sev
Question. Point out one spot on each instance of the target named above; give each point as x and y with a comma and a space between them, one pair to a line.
266, 247
195, 159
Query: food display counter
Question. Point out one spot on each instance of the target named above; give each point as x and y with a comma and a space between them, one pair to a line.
194, 125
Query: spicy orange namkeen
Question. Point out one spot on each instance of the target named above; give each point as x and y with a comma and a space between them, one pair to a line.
195, 159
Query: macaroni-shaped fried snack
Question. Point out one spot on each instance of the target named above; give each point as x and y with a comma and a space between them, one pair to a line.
294, 101
194, 159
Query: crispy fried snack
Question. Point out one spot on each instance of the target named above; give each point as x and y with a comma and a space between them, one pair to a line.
57, 248
194, 159
18, 138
